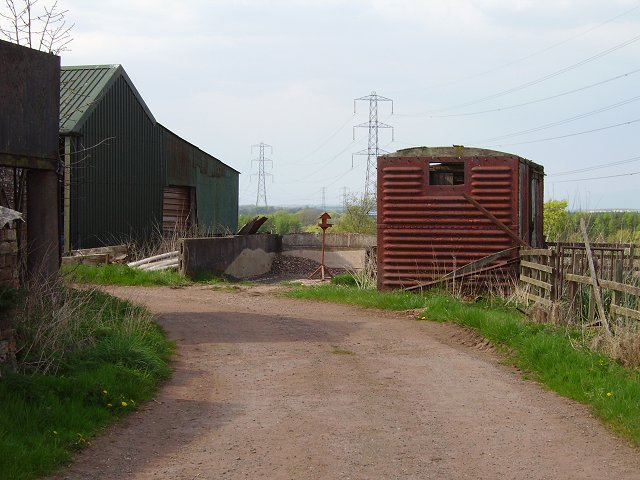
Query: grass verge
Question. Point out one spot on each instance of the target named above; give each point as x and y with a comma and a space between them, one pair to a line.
117, 274
105, 358
394, 300
556, 357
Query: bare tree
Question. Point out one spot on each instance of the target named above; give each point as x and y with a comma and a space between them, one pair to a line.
35, 25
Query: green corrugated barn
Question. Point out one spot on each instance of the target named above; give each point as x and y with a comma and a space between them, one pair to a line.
126, 177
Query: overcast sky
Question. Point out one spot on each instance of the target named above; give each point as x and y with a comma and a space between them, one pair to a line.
229, 74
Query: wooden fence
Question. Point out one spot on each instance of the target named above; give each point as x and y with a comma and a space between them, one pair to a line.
562, 273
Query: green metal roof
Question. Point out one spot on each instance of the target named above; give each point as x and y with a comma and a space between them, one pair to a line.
82, 87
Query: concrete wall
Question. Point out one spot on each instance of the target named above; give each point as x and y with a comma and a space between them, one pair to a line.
353, 241
342, 250
237, 256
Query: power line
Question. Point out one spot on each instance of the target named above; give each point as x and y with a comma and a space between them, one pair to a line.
560, 122
540, 79
524, 104
326, 163
537, 52
584, 132
327, 140
595, 167
262, 189
373, 150
599, 178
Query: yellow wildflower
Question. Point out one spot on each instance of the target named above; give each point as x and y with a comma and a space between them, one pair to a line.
609, 394
124, 404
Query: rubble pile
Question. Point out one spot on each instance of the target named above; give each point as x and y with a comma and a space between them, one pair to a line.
288, 267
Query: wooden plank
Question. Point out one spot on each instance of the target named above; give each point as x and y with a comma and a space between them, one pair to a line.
471, 268
91, 259
23, 161
537, 283
572, 277
592, 269
626, 312
526, 252
536, 266
620, 287
495, 220
536, 299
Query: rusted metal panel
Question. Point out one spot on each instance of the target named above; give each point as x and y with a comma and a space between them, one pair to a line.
428, 228
176, 209
215, 183
30, 93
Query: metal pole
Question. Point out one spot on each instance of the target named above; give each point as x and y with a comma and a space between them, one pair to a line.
324, 231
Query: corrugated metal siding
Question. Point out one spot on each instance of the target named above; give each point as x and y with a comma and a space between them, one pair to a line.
217, 199
80, 89
117, 183
216, 183
426, 231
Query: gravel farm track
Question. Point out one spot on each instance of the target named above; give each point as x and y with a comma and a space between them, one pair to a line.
267, 387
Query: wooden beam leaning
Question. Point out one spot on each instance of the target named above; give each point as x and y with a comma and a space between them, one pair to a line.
592, 269
477, 266
495, 220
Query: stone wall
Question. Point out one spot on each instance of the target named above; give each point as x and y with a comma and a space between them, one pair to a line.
8, 258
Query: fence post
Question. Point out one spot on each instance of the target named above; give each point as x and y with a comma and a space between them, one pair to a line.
595, 290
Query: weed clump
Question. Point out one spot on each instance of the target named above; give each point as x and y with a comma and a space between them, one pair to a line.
84, 359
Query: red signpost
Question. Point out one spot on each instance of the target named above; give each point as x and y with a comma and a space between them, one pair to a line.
324, 224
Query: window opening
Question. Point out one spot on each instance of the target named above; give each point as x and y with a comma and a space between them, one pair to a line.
450, 173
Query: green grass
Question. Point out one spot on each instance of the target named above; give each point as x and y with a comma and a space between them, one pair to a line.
117, 274
119, 364
553, 356
364, 298
344, 279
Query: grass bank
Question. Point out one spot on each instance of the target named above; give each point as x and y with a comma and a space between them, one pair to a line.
85, 359
117, 274
556, 357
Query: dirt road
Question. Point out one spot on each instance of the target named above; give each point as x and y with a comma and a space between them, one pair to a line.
271, 388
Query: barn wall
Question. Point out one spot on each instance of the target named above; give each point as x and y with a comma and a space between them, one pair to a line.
215, 183
118, 176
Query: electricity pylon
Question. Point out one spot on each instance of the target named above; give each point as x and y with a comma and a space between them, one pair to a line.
372, 151
262, 189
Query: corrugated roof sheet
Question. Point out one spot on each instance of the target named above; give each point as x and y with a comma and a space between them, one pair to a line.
81, 88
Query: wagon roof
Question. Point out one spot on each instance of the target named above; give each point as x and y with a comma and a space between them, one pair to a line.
455, 151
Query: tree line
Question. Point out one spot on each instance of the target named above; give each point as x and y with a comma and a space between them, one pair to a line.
561, 225
357, 217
